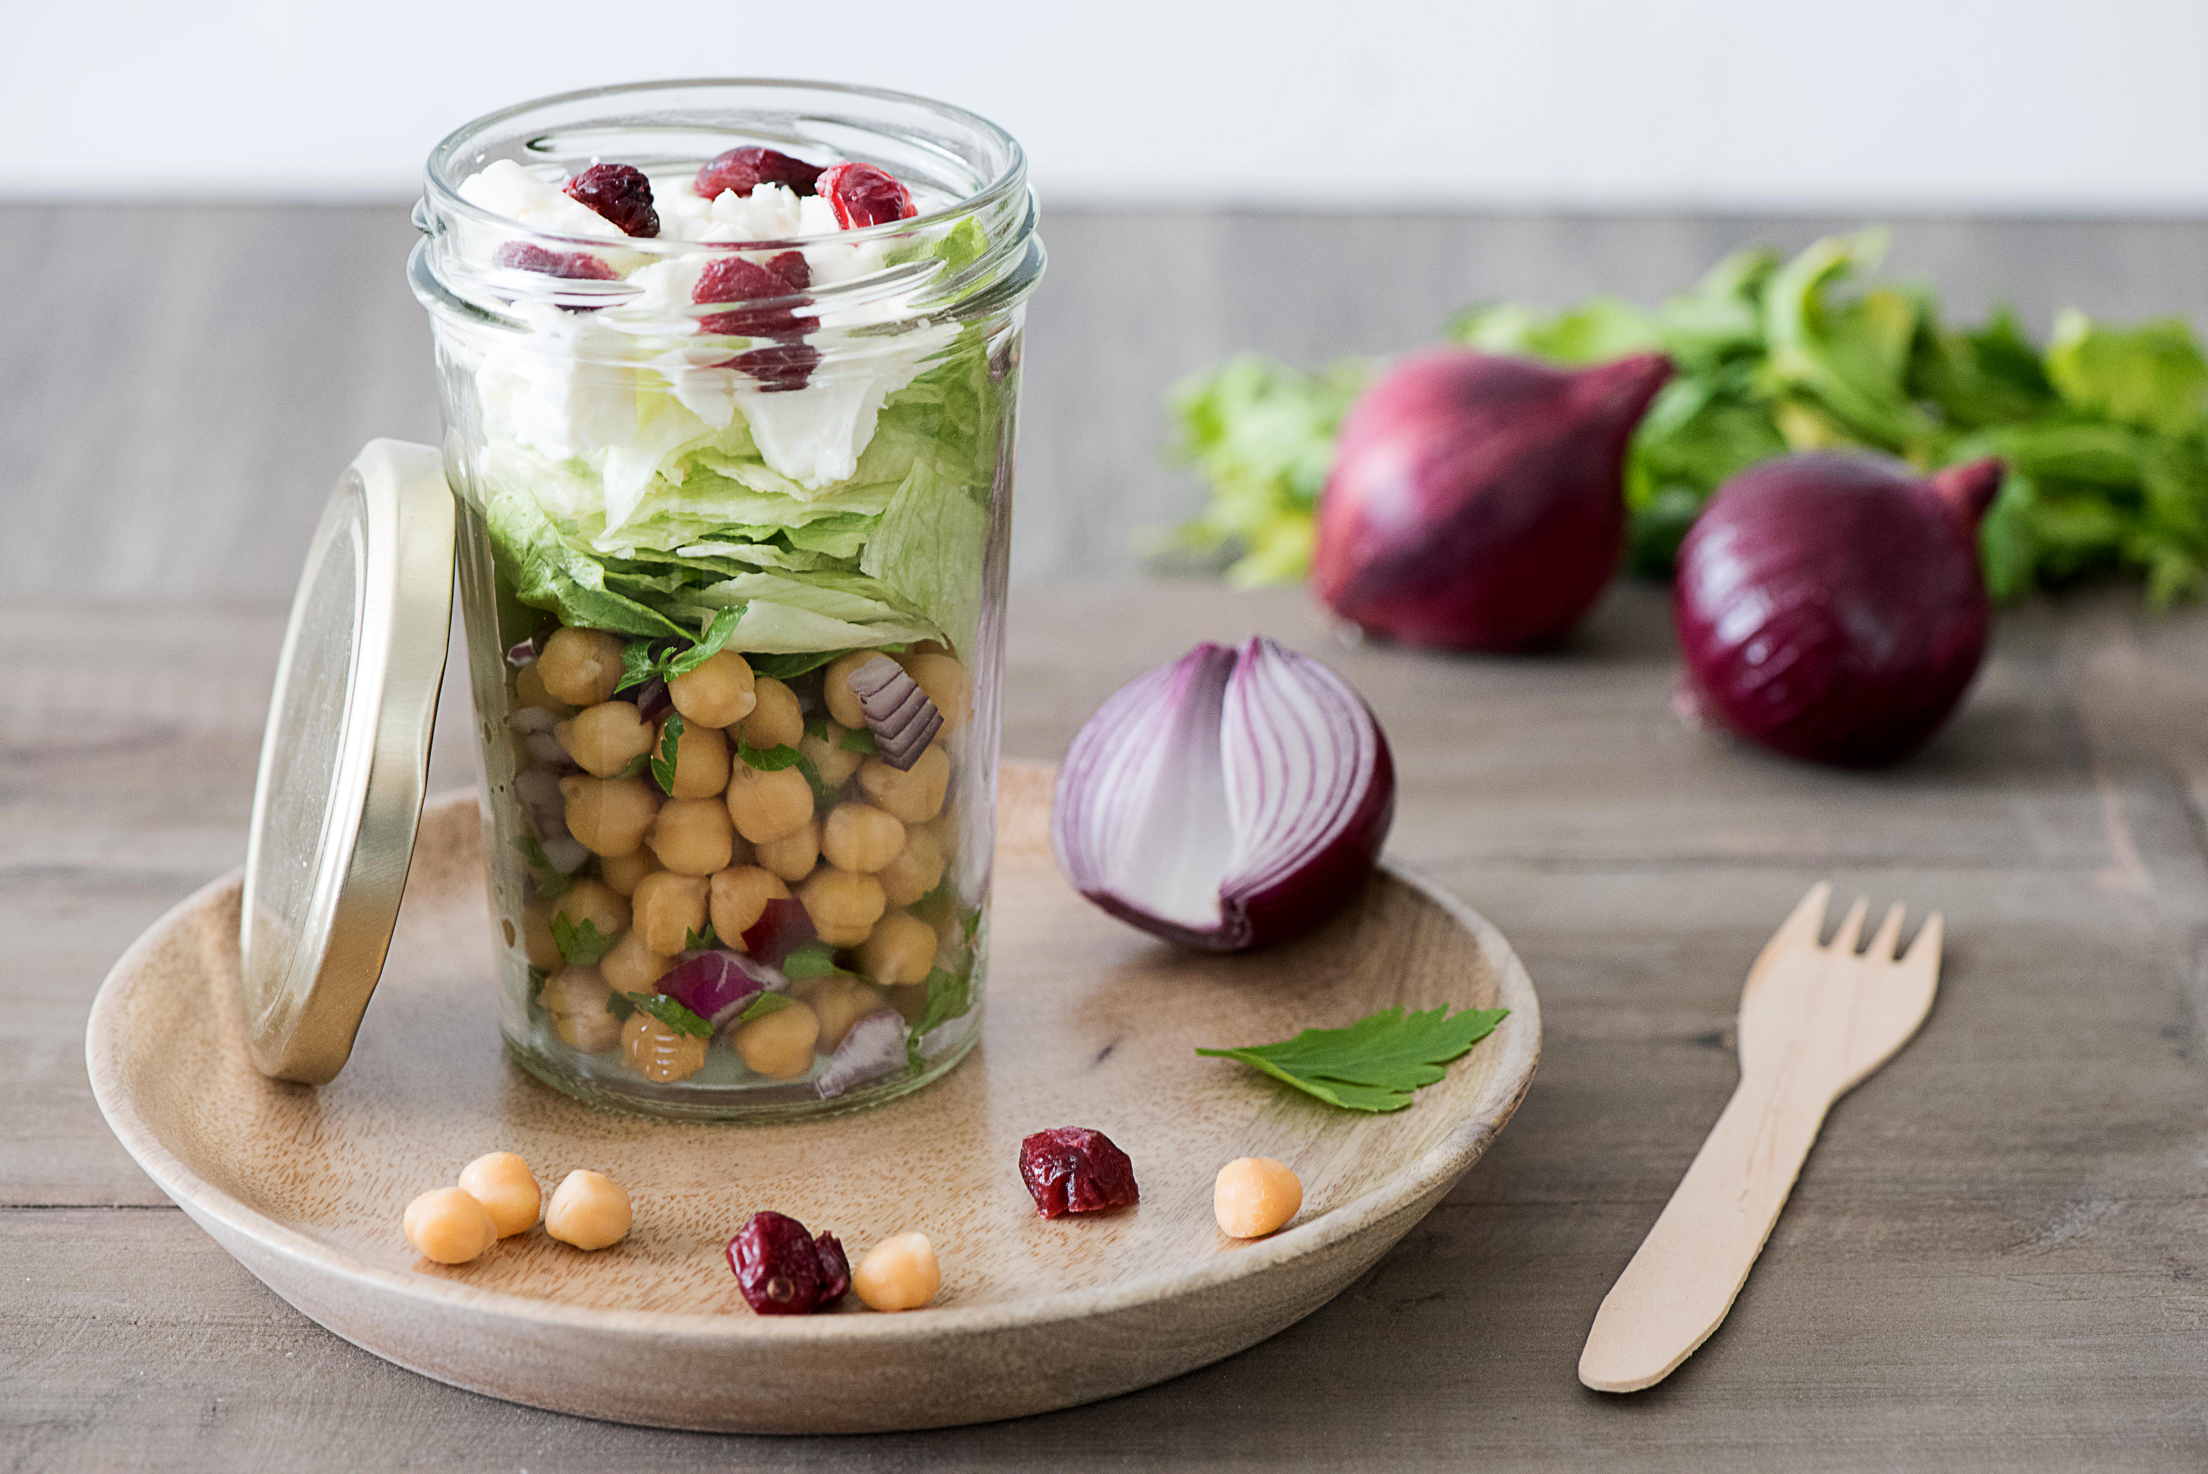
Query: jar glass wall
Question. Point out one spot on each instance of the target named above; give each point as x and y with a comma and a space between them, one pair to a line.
736, 480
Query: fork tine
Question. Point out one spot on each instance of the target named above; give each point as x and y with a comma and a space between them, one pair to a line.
1924, 951
1889, 932
1807, 922
1851, 927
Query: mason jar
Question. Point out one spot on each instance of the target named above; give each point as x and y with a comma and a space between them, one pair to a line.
729, 373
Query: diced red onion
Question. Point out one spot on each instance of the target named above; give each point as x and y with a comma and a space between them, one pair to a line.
899, 714
874, 1047
1231, 799
565, 851
717, 985
783, 927
653, 699
522, 653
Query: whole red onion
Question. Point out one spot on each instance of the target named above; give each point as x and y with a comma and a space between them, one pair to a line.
1830, 606
1476, 502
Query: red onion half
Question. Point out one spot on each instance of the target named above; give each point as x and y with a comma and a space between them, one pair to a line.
1830, 607
1233, 798
1477, 502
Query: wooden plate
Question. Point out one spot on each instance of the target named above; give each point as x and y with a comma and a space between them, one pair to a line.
1089, 1023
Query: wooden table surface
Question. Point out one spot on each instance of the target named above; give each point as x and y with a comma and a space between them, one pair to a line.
1996, 1258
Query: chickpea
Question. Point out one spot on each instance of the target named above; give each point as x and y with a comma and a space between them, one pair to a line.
632, 966
536, 937
777, 720
595, 902
608, 816
843, 702
765, 806
605, 738
831, 759
622, 872
1254, 1196
861, 837
944, 681
737, 898
911, 1000
658, 1052
575, 998
716, 694
917, 869
580, 667
914, 797
793, 856
668, 908
447, 1225
779, 1045
900, 950
501, 1182
692, 836
840, 1002
529, 691
843, 906
899, 1273
588, 1210
701, 761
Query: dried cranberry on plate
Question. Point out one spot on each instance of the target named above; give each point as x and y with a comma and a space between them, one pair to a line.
863, 195
783, 1270
1075, 1170
745, 169
621, 193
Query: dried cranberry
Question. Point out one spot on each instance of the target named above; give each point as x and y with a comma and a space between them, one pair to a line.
778, 366
1076, 1170
745, 169
864, 195
782, 928
783, 1270
573, 265
619, 192
835, 1269
734, 279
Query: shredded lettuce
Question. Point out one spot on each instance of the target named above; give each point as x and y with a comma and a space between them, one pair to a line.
683, 521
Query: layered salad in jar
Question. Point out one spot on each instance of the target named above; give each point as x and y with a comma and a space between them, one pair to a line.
735, 465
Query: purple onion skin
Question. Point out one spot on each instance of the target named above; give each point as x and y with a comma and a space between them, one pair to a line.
1830, 607
1477, 502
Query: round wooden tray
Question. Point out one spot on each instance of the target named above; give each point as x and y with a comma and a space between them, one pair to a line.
1089, 1023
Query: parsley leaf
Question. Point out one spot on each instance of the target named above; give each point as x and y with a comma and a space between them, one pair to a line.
645, 660
710, 644
763, 1005
858, 739
789, 667
950, 995
816, 725
768, 759
641, 661
551, 885
1375, 1063
670, 742
671, 1013
824, 792
620, 1004
813, 960
582, 945
634, 765
694, 941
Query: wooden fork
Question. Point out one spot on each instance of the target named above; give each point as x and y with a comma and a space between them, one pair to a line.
1814, 1021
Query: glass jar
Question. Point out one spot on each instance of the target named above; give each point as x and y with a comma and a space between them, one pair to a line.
736, 493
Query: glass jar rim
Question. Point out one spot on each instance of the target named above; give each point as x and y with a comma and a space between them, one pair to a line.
442, 192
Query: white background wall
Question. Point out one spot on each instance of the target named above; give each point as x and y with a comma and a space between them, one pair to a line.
2037, 105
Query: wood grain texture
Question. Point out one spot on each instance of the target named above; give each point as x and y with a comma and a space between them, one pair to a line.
1994, 1259
1088, 1023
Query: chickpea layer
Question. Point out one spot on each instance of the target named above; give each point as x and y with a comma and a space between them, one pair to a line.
669, 908
900, 949
915, 796
776, 720
606, 738
793, 856
944, 681
767, 805
736, 898
701, 761
861, 837
609, 816
843, 906
1254, 1196
917, 869
693, 836
839, 1002
843, 702
899, 1273
588, 1210
595, 902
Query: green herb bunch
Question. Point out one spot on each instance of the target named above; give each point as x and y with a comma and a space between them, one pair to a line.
2102, 428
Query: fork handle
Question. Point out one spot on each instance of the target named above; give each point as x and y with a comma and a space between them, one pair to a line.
1691, 1266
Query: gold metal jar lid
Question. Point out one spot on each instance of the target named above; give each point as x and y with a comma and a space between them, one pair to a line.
344, 762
